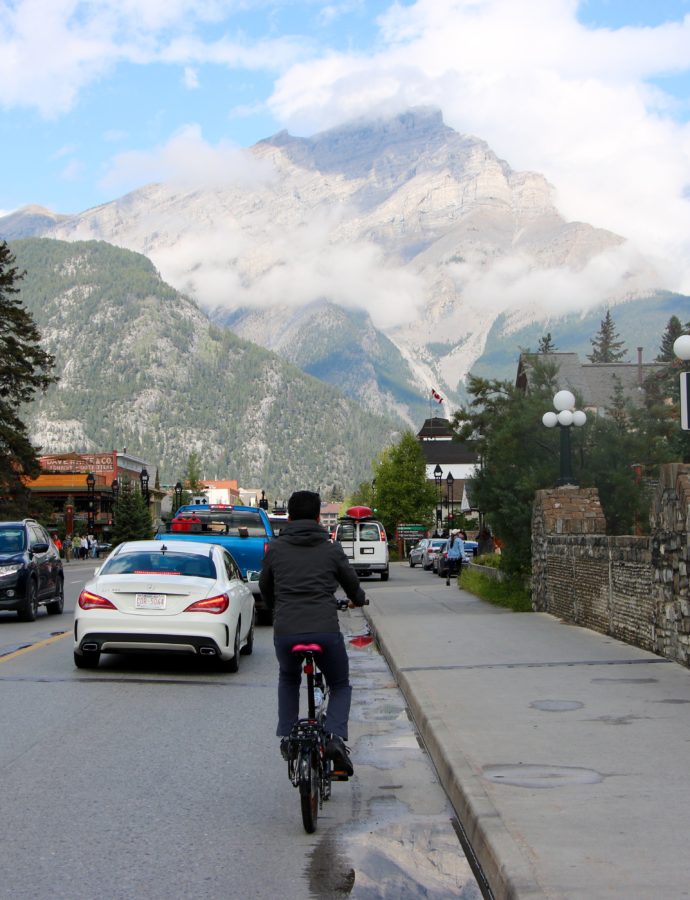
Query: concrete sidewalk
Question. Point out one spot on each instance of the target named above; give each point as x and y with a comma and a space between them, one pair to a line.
564, 752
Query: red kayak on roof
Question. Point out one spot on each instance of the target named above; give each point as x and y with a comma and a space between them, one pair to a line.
359, 512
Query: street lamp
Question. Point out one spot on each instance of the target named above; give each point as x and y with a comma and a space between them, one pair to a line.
449, 482
438, 475
144, 479
178, 496
263, 503
90, 486
566, 416
681, 347
115, 487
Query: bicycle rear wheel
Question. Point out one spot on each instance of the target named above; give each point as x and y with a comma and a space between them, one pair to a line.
309, 789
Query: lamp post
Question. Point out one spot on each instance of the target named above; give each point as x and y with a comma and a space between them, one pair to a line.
263, 503
178, 496
681, 347
144, 480
90, 487
449, 483
566, 416
115, 487
438, 475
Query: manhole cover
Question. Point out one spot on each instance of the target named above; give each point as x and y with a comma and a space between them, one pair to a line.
531, 776
556, 705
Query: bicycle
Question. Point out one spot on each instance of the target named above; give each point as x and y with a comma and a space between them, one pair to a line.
309, 768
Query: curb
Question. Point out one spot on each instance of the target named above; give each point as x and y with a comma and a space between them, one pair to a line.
500, 858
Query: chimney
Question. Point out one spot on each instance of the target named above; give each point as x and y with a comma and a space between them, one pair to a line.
639, 365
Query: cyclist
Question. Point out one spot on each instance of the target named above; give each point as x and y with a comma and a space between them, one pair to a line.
301, 571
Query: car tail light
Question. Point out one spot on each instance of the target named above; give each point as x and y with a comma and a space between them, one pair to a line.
215, 605
87, 600
265, 547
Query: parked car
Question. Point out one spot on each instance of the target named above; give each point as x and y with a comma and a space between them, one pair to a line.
175, 596
414, 557
30, 570
441, 560
430, 551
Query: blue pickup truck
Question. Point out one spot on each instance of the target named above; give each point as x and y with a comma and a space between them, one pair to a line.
244, 531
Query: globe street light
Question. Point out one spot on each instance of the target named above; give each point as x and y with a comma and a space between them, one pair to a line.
564, 418
90, 487
178, 496
681, 347
144, 479
438, 475
115, 487
449, 493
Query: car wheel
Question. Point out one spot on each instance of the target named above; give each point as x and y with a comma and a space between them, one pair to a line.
411, 563
249, 646
385, 575
233, 665
56, 606
29, 610
88, 660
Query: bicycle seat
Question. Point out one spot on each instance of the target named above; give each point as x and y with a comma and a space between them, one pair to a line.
307, 648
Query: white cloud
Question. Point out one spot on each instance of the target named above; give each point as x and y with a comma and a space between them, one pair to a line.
188, 160
190, 78
547, 93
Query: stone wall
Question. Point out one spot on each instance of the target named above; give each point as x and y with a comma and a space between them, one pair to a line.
633, 588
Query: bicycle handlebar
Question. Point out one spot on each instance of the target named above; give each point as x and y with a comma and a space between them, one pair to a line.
343, 602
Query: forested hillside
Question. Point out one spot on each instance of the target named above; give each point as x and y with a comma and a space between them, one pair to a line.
141, 367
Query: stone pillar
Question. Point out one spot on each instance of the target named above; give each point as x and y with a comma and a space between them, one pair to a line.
567, 509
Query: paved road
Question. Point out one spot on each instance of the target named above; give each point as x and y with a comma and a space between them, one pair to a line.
162, 780
564, 752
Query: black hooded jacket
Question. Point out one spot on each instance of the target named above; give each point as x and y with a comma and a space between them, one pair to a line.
299, 577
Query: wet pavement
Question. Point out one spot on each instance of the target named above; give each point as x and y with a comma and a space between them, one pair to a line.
563, 751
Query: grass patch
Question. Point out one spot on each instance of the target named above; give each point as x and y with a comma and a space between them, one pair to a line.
509, 594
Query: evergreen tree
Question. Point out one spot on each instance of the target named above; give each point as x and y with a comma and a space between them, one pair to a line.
546, 344
673, 331
606, 348
192, 476
25, 368
132, 517
402, 493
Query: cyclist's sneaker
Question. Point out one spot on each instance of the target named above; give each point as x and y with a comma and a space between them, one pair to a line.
285, 748
339, 754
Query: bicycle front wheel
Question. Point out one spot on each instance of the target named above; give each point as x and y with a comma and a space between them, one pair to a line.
309, 789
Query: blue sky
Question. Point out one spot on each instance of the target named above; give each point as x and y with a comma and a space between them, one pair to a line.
594, 94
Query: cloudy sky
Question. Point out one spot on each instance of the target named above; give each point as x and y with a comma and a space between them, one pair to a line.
100, 96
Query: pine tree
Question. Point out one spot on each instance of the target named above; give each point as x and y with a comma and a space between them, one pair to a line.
546, 344
25, 368
132, 517
673, 331
605, 346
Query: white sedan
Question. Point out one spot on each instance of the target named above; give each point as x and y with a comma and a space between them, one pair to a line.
172, 596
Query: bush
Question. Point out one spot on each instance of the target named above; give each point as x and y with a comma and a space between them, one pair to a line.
488, 559
510, 593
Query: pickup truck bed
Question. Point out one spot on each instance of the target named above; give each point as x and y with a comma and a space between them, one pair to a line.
244, 531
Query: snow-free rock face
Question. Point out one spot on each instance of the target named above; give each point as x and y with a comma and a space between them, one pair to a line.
423, 232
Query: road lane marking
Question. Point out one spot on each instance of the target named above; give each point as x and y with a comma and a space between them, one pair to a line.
43, 643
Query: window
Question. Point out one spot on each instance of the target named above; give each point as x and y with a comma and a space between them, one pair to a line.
345, 532
155, 563
11, 540
219, 522
369, 532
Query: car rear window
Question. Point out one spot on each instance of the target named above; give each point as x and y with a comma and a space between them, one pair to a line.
11, 540
209, 521
156, 563
369, 532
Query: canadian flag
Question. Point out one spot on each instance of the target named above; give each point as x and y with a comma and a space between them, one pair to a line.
437, 397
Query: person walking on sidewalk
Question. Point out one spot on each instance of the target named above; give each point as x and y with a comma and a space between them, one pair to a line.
301, 571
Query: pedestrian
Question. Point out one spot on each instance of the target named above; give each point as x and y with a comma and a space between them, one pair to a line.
58, 543
76, 547
455, 554
84, 547
67, 547
300, 574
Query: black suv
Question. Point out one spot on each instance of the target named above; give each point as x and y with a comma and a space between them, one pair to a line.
30, 570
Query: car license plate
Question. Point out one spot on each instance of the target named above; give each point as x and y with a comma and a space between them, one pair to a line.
150, 601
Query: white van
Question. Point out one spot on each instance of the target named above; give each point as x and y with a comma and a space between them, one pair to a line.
363, 539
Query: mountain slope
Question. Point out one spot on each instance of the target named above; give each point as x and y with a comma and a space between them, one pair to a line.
141, 366
424, 230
